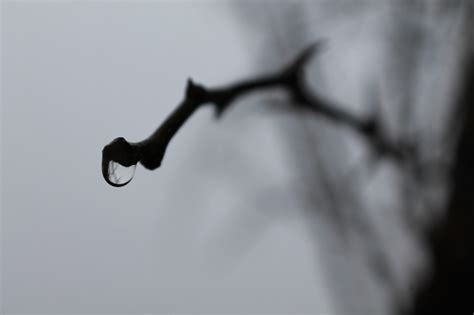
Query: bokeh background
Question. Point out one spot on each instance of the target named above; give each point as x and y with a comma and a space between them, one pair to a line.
266, 210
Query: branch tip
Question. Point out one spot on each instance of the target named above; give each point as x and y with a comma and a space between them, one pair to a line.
305, 56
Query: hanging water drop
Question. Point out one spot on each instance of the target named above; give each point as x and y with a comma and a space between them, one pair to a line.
120, 175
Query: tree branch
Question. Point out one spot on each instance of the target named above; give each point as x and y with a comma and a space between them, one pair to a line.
150, 152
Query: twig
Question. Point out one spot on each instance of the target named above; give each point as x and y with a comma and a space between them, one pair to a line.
150, 152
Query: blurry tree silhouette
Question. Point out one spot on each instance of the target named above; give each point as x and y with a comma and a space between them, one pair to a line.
424, 93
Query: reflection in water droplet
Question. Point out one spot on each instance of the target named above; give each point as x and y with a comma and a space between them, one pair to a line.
119, 174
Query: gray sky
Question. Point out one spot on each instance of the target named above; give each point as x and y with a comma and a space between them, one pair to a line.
219, 227
192, 236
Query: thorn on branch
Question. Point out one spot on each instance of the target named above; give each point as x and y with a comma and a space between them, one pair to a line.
195, 92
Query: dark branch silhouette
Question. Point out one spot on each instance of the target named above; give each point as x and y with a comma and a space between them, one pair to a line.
150, 152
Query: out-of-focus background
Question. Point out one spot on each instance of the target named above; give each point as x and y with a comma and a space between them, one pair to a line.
267, 210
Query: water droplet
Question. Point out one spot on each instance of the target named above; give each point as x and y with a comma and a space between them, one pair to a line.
119, 174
